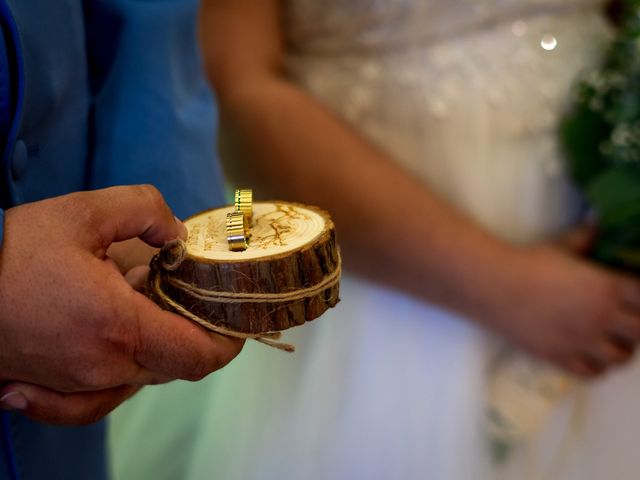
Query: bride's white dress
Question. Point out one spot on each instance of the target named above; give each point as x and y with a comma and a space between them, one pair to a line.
466, 95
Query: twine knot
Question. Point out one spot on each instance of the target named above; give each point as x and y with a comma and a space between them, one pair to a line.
172, 255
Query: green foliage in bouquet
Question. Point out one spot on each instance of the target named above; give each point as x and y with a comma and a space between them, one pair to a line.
601, 137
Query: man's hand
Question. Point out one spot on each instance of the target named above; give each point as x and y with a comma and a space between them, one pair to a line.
76, 338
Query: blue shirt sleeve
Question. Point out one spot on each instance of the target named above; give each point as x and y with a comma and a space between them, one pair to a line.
7, 103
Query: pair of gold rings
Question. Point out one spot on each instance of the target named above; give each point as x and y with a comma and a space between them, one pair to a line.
239, 222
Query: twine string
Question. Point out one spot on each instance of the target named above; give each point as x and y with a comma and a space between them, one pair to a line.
241, 297
172, 256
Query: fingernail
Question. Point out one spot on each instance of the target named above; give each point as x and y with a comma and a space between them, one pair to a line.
13, 401
183, 228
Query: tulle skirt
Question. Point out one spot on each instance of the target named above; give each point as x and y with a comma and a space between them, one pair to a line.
384, 386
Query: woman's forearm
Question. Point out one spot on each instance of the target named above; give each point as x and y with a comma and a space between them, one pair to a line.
286, 144
392, 228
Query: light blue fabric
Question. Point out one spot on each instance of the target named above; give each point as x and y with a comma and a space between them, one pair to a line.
106, 92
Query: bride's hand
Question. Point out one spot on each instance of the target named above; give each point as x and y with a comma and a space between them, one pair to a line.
558, 306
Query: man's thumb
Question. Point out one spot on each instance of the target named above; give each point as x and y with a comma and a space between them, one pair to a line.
136, 211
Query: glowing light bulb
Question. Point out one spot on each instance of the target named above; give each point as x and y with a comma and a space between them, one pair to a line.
549, 42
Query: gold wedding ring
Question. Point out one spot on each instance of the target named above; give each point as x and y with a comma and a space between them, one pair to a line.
244, 202
237, 231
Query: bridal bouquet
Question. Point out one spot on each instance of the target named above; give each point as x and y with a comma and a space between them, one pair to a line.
602, 143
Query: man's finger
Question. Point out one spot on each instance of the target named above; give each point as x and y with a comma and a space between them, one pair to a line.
137, 277
172, 346
49, 406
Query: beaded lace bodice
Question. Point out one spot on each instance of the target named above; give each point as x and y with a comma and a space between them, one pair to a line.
338, 26
465, 94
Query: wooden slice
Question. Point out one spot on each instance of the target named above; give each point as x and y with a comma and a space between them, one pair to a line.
287, 276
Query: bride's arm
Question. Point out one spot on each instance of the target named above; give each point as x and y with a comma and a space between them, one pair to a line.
392, 227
